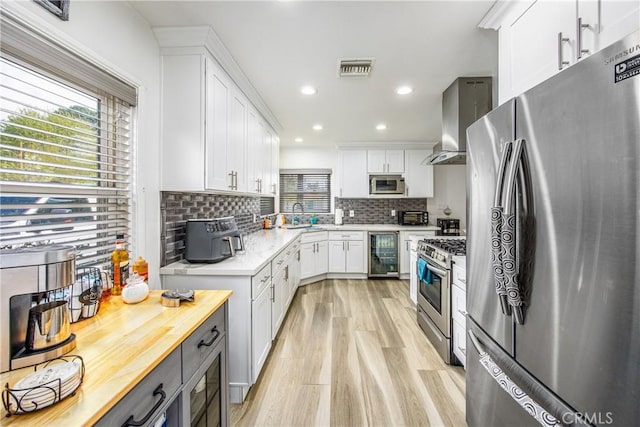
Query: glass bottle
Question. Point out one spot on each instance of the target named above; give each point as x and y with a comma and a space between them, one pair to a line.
120, 265
142, 268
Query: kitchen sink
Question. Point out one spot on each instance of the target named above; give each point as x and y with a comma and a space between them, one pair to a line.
292, 227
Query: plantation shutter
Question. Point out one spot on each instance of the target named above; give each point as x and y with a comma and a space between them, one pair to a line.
65, 174
309, 187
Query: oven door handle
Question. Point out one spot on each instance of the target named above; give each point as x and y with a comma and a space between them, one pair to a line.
437, 270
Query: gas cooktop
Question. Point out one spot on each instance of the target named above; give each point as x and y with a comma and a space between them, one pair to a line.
451, 246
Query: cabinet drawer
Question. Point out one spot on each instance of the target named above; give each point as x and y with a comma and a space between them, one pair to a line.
141, 401
460, 341
459, 276
346, 235
280, 260
458, 305
201, 343
316, 236
260, 281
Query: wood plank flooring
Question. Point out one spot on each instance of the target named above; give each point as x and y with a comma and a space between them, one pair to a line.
350, 353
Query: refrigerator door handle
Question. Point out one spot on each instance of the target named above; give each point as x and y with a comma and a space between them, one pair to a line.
532, 407
496, 231
508, 235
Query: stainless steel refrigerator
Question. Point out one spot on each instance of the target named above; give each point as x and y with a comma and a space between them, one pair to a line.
553, 259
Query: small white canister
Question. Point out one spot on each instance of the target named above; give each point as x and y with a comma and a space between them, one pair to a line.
136, 290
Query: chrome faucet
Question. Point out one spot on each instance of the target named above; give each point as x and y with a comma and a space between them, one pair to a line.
293, 211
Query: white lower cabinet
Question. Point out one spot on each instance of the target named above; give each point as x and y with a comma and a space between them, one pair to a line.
413, 273
279, 295
314, 254
346, 252
260, 330
405, 239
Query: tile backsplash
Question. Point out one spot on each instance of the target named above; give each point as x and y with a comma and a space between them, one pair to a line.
378, 211
177, 208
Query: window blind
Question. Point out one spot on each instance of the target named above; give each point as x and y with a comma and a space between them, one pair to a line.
311, 188
64, 163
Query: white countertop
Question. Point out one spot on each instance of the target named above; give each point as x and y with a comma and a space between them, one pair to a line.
263, 245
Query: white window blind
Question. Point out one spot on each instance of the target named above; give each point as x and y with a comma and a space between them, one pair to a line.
64, 162
309, 187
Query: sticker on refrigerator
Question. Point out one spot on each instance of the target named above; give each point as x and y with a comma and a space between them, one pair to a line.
626, 69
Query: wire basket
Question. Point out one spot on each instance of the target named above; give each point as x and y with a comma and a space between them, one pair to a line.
24, 400
84, 299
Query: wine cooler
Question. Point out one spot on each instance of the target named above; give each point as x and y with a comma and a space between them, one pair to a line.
384, 260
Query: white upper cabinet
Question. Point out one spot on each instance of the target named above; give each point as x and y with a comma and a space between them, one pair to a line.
183, 118
418, 175
238, 141
538, 39
352, 174
385, 161
213, 136
218, 89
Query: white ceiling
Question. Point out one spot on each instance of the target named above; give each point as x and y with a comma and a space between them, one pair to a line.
283, 45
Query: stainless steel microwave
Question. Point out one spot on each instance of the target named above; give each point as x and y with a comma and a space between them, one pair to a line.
386, 184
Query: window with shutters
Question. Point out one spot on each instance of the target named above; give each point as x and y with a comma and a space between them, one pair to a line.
309, 187
64, 160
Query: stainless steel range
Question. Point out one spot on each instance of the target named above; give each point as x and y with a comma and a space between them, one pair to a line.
435, 259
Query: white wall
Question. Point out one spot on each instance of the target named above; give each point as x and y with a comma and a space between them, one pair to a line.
113, 35
450, 189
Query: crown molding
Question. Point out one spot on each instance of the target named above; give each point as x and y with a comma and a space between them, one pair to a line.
501, 11
386, 145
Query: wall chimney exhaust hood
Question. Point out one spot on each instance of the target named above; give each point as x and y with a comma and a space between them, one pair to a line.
463, 102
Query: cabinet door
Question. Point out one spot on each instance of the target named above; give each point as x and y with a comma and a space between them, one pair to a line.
254, 136
413, 277
277, 306
533, 42
376, 161
267, 177
183, 115
307, 259
237, 147
395, 161
275, 164
337, 250
617, 19
354, 180
460, 342
355, 257
260, 331
216, 128
418, 176
322, 258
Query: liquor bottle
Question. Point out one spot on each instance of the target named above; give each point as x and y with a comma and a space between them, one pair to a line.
120, 265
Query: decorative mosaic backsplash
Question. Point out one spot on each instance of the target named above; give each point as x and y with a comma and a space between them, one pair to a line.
378, 211
177, 208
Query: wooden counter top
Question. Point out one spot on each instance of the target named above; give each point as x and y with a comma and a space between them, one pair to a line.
119, 346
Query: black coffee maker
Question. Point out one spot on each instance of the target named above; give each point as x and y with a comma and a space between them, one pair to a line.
448, 227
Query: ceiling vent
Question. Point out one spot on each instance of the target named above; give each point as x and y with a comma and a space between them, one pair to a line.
355, 67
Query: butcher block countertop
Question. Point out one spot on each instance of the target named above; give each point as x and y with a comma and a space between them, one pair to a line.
119, 346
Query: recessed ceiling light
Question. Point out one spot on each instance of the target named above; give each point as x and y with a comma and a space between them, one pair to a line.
317, 127
404, 90
381, 126
308, 90
298, 140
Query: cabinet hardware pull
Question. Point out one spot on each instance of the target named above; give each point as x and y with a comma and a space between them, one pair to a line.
462, 280
231, 175
464, 313
286, 273
273, 292
348, 246
131, 422
463, 350
216, 334
561, 62
579, 48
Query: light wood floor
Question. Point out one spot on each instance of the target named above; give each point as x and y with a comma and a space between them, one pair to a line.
350, 353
